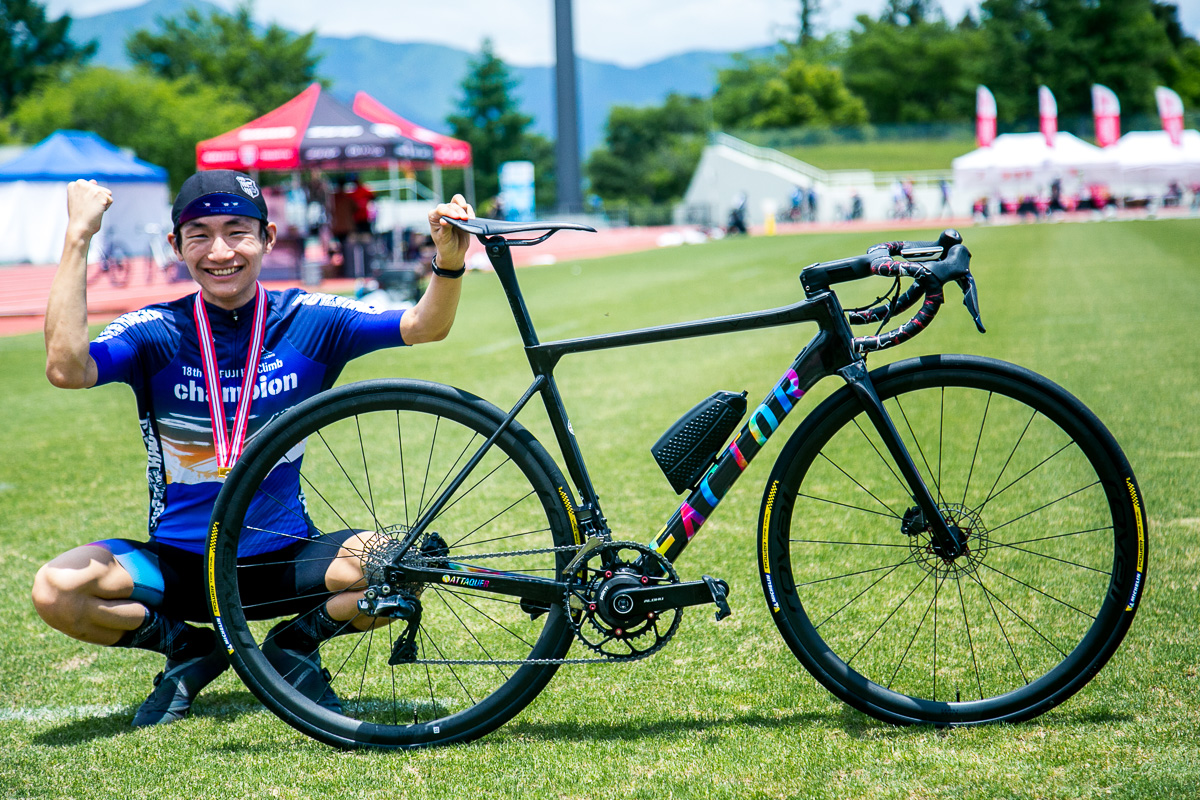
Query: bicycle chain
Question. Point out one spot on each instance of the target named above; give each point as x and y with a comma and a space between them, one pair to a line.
463, 662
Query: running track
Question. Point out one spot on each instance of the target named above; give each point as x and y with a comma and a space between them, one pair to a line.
24, 289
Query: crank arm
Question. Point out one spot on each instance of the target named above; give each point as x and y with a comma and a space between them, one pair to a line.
646, 599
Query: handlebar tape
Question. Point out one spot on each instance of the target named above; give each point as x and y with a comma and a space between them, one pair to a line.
925, 282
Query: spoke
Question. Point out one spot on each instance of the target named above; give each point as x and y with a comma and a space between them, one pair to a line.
921, 450
362, 680
1107, 529
403, 474
449, 471
1028, 624
471, 633
453, 671
1018, 480
846, 505
859, 485
362, 448
987, 499
1000, 625
1039, 591
1042, 508
489, 618
432, 444
350, 480
852, 544
920, 625
460, 496
885, 621
493, 519
852, 574
967, 626
886, 462
1052, 558
975, 455
497, 539
849, 602
941, 436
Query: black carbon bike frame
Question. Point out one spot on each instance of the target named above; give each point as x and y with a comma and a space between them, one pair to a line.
830, 352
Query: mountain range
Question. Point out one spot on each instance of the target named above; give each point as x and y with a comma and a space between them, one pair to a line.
422, 81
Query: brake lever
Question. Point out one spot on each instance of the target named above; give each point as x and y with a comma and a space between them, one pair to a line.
971, 299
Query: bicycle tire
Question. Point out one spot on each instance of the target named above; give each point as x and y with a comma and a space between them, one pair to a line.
377, 453
117, 266
1056, 561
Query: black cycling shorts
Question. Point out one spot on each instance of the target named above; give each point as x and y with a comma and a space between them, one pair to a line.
172, 581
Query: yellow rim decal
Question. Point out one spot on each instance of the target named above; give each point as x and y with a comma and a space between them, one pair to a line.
766, 565
571, 514
212, 573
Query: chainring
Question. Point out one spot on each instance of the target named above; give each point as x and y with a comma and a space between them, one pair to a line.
620, 564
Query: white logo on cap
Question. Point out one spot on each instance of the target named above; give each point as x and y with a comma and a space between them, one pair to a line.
248, 186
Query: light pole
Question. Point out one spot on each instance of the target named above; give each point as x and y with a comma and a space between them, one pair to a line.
570, 196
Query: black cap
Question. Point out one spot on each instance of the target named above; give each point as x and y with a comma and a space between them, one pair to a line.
218, 191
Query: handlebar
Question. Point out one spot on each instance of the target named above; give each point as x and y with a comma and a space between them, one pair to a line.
929, 264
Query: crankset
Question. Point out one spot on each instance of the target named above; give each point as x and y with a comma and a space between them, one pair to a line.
627, 600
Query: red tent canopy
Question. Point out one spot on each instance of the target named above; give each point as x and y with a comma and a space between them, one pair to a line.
312, 129
447, 152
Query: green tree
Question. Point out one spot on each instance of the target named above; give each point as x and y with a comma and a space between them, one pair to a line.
33, 49
160, 120
489, 119
785, 91
223, 49
917, 72
649, 154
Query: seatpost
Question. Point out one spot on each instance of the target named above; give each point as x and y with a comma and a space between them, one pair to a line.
500, 254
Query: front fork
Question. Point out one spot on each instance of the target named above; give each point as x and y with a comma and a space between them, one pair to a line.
948, 542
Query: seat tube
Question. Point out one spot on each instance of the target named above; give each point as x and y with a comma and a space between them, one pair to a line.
947, 542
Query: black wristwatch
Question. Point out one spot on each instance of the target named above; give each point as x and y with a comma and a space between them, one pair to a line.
448, 273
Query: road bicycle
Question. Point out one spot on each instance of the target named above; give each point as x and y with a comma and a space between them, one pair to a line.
947, 540
113, 262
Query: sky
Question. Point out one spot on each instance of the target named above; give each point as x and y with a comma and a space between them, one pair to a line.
625, 32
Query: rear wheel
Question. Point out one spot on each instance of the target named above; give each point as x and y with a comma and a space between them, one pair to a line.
1054, 567
371, 458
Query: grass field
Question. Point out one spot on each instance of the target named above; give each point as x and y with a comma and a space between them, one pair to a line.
1106, 309
884, 156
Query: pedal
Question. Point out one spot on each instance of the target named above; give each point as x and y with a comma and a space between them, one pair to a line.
720, 591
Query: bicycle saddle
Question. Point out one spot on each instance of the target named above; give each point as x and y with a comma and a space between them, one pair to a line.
499, 227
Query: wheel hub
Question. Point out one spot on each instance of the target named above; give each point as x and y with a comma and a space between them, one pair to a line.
968, 529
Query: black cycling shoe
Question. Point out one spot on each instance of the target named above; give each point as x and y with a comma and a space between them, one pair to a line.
304, 672
177, 685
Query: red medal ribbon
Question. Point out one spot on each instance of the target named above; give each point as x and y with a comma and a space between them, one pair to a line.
230, 448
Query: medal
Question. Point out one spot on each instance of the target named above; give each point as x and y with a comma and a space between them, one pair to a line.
229, 446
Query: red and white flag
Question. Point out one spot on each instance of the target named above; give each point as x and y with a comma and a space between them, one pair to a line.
1047, 115
1170, 111
985, 117
1106, 112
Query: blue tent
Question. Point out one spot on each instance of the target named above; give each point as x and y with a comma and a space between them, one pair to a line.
33, 196
66, 155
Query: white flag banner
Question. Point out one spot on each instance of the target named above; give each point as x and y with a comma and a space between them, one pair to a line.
1106, 113
985, 117
1047, 115
1170, 111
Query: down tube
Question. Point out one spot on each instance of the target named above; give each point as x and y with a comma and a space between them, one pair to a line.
764, 421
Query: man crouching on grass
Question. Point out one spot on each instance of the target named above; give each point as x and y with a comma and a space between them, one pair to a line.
120, 592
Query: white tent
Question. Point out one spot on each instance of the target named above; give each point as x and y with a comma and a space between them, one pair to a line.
1020, 163
33, 196
1149, 162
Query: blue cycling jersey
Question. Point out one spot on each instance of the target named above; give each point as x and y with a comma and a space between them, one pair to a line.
309, 338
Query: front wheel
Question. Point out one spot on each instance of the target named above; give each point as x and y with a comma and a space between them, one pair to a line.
1045, 590
349, 472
